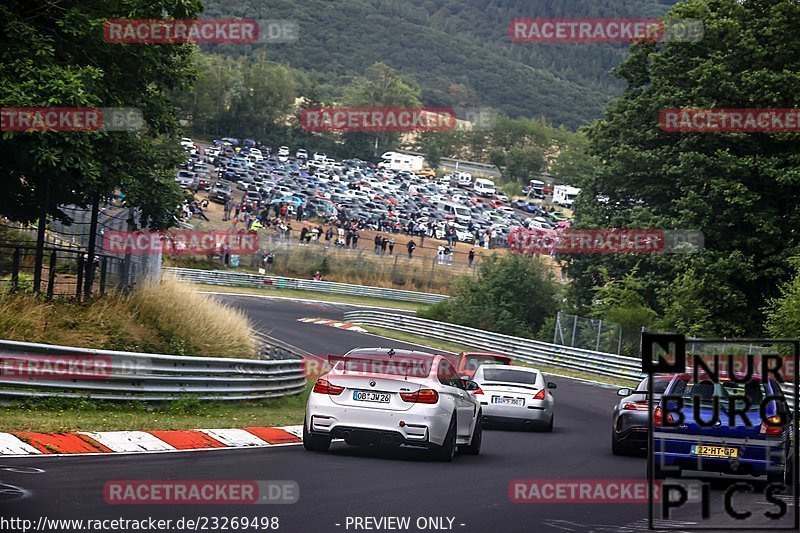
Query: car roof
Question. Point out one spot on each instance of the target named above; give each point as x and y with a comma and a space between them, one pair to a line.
485, 354
510, 367
384, 353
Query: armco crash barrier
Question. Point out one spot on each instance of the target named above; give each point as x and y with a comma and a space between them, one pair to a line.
42, 370
525, 350
243, 279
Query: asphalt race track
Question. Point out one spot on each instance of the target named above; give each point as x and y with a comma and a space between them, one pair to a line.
355, 482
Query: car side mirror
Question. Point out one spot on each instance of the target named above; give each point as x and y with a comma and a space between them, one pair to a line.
551, 385
470, 385
624, 392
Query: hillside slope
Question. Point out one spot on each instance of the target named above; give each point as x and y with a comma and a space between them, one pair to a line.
458, 51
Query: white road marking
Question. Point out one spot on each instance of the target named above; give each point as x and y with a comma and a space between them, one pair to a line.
129, 441
12, 445
235, 437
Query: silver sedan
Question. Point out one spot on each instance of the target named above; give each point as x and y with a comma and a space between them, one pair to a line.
515, 395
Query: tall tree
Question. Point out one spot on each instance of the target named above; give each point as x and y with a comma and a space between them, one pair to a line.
741, 189
381, 86
56, 56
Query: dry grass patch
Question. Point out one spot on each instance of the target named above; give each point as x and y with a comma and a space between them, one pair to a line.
205, 325
163, 317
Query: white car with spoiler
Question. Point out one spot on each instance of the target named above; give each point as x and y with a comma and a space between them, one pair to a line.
387, 397
515, 395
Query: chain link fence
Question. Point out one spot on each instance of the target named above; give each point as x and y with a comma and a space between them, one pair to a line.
596, 334
65, 268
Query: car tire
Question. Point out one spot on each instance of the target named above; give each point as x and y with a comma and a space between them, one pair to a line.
474, 446
549, 427
618, 448
447, 450
313, 442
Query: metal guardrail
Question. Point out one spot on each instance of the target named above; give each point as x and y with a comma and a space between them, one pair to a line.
243, 279
520, 349
42, 370
525, 350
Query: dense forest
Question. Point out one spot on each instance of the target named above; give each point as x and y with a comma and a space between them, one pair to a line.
457, 51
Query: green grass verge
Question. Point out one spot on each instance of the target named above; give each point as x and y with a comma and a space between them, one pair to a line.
54, 415
457, 348
312, 295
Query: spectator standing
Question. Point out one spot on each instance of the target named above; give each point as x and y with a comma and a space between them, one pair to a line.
384, 244
228, 207
391, 246
378, 241
355, 239
410, 247
471, 256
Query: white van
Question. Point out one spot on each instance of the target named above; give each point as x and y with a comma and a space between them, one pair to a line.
464, 179
461, 213
397, 161
564, 195
484, 187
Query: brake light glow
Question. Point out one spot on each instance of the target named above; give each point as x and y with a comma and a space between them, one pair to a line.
322, 386
540, 395
428, 396
634, 406
658, 417
478, 391
771, 430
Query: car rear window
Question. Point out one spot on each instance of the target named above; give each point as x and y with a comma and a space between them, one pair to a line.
706, 390
394, 366
508, 375
473, 362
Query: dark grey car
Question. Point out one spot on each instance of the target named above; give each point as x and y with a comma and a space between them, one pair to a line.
629, 421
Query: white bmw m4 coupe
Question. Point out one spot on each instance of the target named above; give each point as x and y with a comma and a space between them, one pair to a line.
387, 397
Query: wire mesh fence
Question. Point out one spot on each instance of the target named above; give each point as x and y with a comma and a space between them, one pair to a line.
66, 268
597, 335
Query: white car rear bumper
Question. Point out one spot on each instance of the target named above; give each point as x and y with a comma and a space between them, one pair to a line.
421, 424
